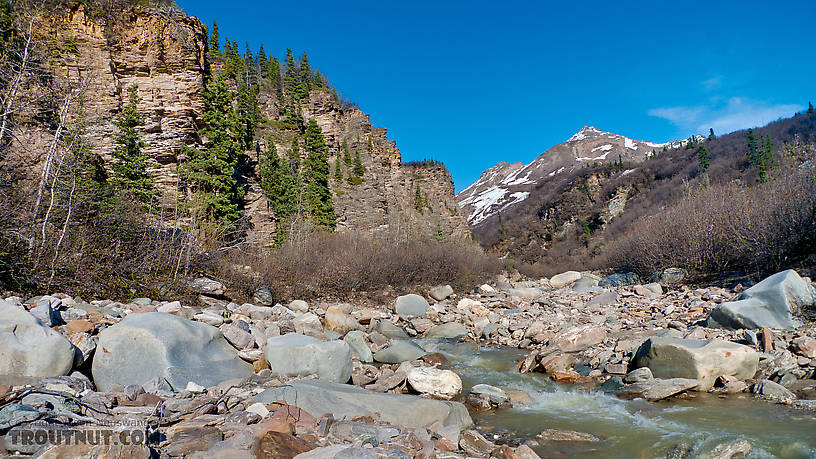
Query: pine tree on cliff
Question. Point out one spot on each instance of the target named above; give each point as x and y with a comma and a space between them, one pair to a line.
703, 158
210, 173
291, 78
338, 171
418, 205
215, 45
753, 147
346, 154
270, 67
280, 187
305, 77
810, 108
249, 115
359, 169
316, 178
130, 176
765, 159
711, 135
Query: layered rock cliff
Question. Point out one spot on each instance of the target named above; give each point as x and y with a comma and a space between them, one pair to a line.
163, 51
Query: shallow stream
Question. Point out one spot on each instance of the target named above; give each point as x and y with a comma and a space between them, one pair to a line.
629, 428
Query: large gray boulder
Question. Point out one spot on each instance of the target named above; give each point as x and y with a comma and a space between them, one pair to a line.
771, 303
703, 360
300, 355
399, 351
449, 330
29, 349
319, 397
155, 344
411, 305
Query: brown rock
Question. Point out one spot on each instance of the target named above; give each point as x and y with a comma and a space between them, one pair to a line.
78, 326
472, 442
518, 397
277, 445
556, 362
444, 445
188, 440
765, 338
579, 338
301, 419
66, 451
504, 452
570, 376
805, 346
525, 452
260, 364
434, 359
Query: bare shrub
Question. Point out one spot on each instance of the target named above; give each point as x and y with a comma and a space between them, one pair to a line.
343, 264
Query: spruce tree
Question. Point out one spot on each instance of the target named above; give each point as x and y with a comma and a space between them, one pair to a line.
215, 45
753, 148
316, 178
810, 108
346, 154
280, 187
711, 135
305, 77
211, 173
703, 158
338, 171
359, 169
291, 78
249, 115
765, 159
130, 176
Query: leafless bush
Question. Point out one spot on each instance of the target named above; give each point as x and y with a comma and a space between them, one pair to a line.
342, 264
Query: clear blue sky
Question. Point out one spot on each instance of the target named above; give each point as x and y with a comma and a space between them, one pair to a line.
473, 83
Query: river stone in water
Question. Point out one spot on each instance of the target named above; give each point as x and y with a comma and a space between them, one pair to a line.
703, 360
319, 397
434, 382
495, 394
300, 355
449, 330
399, 351
768, 304
28, 349
155, 344
411, 305
653, 390
357, 344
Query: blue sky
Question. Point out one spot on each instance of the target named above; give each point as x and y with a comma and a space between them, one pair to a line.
474, 83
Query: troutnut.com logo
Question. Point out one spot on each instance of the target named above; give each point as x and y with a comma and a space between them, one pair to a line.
41, 435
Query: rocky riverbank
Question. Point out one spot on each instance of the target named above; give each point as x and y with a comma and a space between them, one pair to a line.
320, 379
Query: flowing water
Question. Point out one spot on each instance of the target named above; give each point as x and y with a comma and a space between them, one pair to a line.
629, 428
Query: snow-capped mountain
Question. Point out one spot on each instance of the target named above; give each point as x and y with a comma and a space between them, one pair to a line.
506, 184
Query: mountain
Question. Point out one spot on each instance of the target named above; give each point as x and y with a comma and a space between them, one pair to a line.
95, 54
507, 184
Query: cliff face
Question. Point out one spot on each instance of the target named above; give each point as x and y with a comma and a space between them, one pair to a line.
165, 54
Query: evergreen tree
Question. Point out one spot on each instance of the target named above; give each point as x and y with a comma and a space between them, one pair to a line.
215, 45
305, 77
319, 81
359, 169
291, 78
249, 115
294, 117
6, 26
711, 135
233, 62
703, 158
316, 178
346, 154
130, 176
766, 160
418, 199
338, 171
810, 108
280, 187
250, 67
753, 148
211, 173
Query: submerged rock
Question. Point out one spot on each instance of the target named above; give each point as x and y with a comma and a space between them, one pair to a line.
653, 390
702, 360
771, 303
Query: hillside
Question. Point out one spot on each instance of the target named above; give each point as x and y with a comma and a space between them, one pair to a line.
569, 218
95, 55
506, 185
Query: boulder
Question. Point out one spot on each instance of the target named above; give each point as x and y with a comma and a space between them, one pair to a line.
399, 351
434, 382
319, 397
338, 321
579, 338
585, 284
299, 306
307, 320
669, 276
300, 355
771, 303
564, 279
411, 305
493, 393
155, 344
524, 292
653, 390
264, 296
449, 330
619, 280
388, 329
441, 292
357, 344
772, 390
207, 286
29, 349
702, 360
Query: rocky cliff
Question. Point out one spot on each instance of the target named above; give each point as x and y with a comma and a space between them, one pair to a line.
164, 51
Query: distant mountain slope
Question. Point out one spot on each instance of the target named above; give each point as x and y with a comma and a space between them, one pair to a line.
568, 217
507, 184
